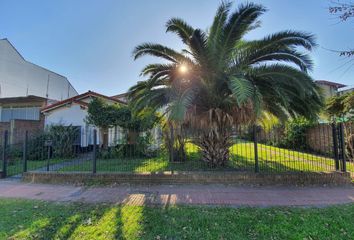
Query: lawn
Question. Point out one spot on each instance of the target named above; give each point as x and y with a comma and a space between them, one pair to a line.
16, 166
25, 219
271, 159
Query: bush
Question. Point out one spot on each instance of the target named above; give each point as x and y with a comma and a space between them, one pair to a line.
140, 147
35, 147
295, 134
63, 139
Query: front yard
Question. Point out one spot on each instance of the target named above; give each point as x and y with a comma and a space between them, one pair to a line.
25, 219
271, 159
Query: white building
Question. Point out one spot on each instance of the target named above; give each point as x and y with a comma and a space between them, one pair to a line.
19, 78
329, 89
73, 111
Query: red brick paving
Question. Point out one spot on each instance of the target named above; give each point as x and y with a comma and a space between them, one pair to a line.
181, 194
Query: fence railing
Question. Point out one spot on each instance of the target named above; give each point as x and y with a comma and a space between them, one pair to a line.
324, 147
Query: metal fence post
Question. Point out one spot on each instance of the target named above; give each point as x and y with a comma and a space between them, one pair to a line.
48, 157
94, 163
4, 160
256, 166
342, 139
335, 145
172, 153
25, 152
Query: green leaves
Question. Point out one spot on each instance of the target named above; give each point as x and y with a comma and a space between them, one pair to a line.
104, 115
239, 23
179, 105
342, 105
242, 89
101, 114
159, 50
181, 28
228, 72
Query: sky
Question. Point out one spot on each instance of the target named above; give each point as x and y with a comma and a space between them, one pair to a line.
91, 41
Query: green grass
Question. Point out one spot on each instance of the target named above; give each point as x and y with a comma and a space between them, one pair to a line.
271, 159
16, 166
24, 219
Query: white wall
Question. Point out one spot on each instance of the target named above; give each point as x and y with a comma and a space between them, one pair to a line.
21, 78
72, 115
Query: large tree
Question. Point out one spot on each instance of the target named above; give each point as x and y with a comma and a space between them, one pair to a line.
221, 79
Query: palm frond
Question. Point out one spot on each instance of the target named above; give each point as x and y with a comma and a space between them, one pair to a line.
241, 89
160, 51
239, 23
181, 28
180, 104
286, 39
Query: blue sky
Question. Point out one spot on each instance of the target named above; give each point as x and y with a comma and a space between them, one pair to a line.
91, 41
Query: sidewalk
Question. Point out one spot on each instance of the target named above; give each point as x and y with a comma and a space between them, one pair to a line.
180, 194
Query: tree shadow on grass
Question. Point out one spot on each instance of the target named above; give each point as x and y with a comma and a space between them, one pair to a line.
50, 221
240, 160
241, 163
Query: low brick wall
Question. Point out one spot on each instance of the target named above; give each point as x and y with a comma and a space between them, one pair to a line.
238, 178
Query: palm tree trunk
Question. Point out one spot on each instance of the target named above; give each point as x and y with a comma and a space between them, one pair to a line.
215, 145
175, 141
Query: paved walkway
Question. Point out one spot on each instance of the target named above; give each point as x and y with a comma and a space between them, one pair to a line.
180, 194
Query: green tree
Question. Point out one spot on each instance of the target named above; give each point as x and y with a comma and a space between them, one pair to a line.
106, 116
341, 109
102, 115
221, 79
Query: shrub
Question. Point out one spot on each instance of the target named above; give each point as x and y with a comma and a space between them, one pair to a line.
138, 148
295, 133
35, 147
63, 139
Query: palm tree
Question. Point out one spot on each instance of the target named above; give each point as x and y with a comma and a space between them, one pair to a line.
221, 79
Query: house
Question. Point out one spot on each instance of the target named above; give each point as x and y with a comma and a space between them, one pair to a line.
21, 114
122, 97
329, 89
73, 111
19, 77
345, 90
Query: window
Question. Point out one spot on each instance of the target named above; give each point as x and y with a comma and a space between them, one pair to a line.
26, 113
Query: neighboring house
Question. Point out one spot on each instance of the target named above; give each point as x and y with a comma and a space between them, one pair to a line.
345, 90
329, 89
73, 111
19, 78
122, 97
25, 88
21, 114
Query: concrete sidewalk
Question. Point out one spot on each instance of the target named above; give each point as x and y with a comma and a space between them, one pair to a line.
181, 194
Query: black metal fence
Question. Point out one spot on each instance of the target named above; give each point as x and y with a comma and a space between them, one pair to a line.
324, 147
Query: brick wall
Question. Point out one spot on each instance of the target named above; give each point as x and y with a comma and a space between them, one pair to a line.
4, 126
17, 129
236, 178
